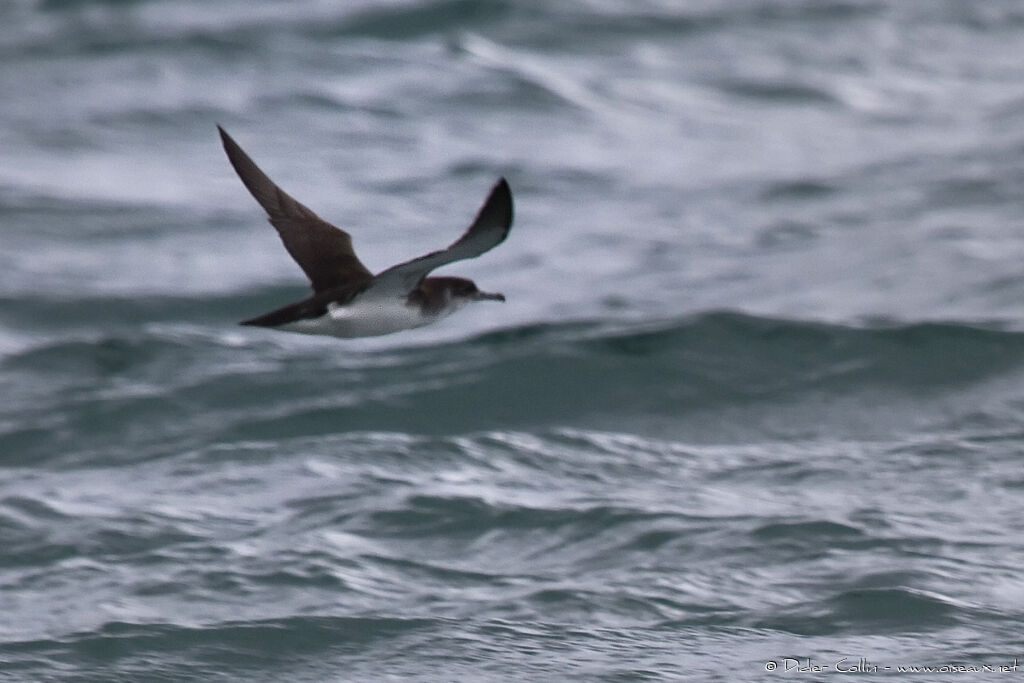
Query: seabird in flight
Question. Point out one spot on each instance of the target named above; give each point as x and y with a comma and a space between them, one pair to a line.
348, 300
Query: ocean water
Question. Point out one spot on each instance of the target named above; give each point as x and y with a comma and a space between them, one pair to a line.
753, 410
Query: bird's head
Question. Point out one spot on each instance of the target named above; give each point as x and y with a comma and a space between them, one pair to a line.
445, 294
461, 288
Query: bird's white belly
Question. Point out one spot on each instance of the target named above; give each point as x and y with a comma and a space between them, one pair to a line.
363, 319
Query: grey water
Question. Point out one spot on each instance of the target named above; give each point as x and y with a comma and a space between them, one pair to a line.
753, 409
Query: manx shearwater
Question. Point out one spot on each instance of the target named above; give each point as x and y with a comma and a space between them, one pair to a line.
348, 300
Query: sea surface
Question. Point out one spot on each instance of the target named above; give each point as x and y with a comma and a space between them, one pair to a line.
753, 409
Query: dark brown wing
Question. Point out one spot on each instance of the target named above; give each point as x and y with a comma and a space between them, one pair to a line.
488, 230
323, 251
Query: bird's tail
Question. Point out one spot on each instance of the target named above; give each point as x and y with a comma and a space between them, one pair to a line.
287, 314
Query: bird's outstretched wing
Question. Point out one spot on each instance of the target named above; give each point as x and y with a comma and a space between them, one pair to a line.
323, 251
488, 230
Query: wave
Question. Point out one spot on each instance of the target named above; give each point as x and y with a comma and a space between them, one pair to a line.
708, 371
270, 649
873, 610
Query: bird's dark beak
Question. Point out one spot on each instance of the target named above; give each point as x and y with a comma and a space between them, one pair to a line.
484, 296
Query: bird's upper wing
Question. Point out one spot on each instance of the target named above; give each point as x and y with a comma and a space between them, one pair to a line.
486, 232
323, 251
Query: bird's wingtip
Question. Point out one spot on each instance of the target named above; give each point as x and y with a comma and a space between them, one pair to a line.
501, 199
